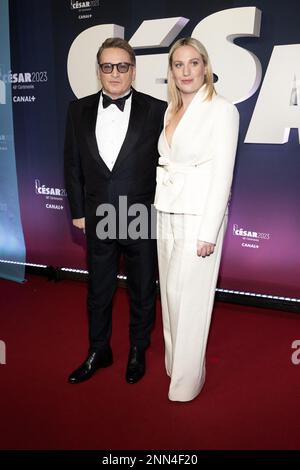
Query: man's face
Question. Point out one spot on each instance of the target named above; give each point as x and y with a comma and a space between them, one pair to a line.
115, 83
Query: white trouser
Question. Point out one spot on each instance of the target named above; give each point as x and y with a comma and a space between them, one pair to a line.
187, 289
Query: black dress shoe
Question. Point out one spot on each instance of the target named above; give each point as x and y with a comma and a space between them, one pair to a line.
136, 365
94, 361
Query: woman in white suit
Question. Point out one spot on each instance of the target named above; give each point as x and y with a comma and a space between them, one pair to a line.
197, 151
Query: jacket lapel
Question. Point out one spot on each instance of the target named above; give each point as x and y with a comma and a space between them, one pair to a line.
137, 118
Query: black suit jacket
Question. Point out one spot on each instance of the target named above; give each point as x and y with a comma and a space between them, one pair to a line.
89, 182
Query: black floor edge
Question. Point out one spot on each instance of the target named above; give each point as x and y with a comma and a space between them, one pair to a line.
56, 274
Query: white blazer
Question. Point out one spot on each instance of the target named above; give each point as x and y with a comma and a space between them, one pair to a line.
194, 176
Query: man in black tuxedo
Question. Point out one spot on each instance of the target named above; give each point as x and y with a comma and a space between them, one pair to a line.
111, 153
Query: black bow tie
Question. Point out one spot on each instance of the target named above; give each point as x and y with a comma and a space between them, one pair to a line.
120, 102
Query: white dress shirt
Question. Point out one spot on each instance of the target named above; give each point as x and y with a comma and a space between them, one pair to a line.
111, 128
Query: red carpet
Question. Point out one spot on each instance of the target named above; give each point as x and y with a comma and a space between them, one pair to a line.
250, 400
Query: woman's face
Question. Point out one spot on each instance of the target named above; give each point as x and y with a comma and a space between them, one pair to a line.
188, 69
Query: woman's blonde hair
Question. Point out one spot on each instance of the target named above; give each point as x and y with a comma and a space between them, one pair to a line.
173, 92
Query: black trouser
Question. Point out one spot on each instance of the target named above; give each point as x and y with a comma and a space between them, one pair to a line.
141, 266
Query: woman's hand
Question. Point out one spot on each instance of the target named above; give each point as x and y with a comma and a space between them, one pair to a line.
205, 248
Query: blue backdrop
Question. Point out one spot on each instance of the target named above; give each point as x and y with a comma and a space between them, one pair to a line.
261, 246
12, 247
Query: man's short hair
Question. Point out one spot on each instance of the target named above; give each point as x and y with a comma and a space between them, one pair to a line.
118, 43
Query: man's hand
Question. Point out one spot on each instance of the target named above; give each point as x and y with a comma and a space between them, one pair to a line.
205, 248
79, 223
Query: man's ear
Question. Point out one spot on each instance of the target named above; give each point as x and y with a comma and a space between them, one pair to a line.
98, 72
133, 73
